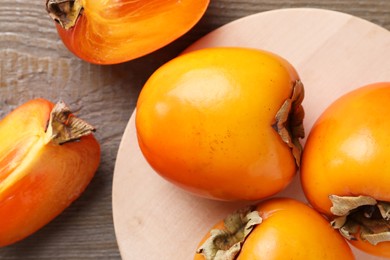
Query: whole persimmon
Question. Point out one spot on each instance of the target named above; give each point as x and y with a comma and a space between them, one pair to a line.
223, 123
346, 167
47, 158
278, 228
115, 31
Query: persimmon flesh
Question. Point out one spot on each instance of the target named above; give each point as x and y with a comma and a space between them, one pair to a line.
115, 31
47, 160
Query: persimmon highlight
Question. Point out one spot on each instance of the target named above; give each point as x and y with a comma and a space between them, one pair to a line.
109, 32
47, 158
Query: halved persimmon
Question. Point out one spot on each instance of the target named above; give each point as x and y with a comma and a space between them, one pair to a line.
114, 31
47, 158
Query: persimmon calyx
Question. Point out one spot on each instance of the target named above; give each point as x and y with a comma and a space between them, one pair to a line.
361, 217
225, 244
64, 12
64, 127
289, 121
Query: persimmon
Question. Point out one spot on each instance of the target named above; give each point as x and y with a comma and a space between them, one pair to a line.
345, 170
223, 123
278, 228
114, 31
47, 158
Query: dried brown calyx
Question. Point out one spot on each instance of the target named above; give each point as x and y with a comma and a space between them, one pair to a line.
225, 244
361, 217
289, 121
64, 127
64, 12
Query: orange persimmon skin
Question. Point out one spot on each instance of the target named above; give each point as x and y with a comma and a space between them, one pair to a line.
290, 230
38, 180
347, 153
110, 32
204, 122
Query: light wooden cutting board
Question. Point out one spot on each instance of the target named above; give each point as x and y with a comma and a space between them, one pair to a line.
333, 53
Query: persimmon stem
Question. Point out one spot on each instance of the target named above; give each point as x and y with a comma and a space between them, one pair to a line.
64, 127
361, 217
289, 121
225, 244
64, 12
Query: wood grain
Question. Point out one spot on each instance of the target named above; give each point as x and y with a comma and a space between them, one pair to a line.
34, 63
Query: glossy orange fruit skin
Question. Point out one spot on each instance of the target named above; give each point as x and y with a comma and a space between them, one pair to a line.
110, 32
347, 152
38, 180
290, 230
204, 122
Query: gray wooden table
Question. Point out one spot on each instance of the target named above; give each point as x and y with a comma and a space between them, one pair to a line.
34, 63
